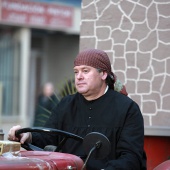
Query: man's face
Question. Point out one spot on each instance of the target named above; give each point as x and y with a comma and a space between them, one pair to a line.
88, 80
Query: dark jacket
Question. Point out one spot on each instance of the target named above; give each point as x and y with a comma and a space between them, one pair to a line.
114, 115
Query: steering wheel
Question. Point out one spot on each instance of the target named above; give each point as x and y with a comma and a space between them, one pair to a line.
66, 135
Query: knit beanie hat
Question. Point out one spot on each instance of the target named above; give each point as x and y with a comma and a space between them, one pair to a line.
100, 60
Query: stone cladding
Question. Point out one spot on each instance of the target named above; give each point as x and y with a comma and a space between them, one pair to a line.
136, 36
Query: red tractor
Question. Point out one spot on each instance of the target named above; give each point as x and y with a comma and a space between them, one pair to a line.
50, 158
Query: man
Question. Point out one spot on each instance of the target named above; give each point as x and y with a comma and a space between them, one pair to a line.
97, 107
47, 100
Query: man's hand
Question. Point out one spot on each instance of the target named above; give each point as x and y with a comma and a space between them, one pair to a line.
24, 137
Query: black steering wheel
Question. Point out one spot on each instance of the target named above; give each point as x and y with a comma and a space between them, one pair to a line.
66, 135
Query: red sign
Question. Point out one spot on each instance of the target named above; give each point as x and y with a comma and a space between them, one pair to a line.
21, 12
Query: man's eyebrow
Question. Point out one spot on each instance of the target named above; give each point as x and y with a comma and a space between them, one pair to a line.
84, 67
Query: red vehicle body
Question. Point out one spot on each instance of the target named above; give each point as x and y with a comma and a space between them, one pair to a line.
54, 160
41, 160
50, 158
163, 166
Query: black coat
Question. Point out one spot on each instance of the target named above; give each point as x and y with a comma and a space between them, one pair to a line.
114, 115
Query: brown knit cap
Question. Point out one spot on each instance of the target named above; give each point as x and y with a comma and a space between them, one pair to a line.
94, 58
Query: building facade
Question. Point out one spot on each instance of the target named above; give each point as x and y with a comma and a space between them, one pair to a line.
136, 35
38, 43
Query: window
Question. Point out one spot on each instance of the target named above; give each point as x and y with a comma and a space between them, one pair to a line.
9, 75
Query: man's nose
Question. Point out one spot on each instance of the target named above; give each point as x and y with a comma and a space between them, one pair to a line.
79, 75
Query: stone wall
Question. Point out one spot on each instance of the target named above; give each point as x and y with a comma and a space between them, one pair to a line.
136, 36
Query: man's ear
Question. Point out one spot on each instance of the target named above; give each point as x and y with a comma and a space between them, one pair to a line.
104, 76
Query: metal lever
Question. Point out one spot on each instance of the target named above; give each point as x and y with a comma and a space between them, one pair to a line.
96, 146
